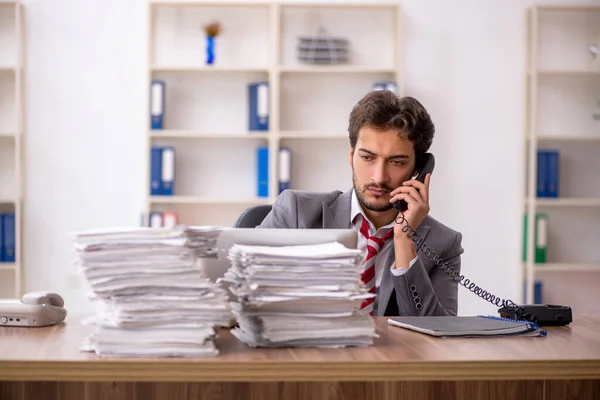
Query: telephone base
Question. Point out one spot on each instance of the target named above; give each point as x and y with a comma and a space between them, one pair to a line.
542, 314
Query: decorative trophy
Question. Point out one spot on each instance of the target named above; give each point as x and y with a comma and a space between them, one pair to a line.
212, 30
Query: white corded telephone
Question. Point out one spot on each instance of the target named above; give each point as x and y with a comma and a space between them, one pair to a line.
34, 309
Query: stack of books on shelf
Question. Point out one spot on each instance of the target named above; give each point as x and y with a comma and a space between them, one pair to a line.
160, 219
7, 238
151, 297
284, 164
548, 173
299, 296
537, 291
162, 170
258, 106
540, 237
540, 250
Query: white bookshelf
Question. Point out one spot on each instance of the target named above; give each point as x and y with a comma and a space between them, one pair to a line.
11, 137
206, 107
563, 113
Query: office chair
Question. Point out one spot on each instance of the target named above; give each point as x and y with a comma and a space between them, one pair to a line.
252, 216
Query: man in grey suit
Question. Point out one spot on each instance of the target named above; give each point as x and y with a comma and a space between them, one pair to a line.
387, 135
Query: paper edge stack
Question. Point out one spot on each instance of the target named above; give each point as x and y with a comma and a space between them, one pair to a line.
238, 307
183, 238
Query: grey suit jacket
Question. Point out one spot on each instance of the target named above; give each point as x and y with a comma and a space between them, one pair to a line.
425, 289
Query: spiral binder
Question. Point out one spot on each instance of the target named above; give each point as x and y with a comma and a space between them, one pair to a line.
532, 325
467, 326
518, 321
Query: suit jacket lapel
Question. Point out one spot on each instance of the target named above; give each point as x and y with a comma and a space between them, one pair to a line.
337, 215
387, 286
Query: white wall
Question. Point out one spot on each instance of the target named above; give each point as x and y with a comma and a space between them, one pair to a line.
86, 120
84, 159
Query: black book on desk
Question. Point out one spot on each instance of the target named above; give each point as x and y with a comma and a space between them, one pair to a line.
467, 326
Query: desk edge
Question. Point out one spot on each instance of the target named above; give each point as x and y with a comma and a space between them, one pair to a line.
128, 371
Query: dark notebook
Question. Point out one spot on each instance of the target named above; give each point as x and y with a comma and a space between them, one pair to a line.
463, 326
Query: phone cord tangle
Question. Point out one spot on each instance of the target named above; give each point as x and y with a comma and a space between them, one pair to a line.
465, 282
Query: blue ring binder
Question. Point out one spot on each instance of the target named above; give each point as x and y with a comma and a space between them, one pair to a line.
518, 321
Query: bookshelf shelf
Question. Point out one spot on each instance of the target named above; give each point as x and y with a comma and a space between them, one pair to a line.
567, 202
183, 134
565, 8
208, 69
359, 5
11, 137
569, 73
562, 97
312, 135
207, 3
567, 267
568, 138
335, 69
206, 200
177, 37
308, 104
8, 266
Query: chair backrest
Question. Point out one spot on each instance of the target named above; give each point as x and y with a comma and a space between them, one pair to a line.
252, 216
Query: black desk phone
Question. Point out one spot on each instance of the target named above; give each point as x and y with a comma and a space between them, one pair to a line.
541, 314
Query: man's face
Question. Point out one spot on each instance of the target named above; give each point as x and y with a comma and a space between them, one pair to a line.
381, 161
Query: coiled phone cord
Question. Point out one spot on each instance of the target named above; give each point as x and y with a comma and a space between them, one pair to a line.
518, 311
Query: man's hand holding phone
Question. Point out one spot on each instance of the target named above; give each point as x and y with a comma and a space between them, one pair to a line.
416, 195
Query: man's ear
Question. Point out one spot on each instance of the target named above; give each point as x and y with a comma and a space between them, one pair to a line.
351, 155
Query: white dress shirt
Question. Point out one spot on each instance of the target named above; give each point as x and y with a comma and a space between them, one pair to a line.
383, 253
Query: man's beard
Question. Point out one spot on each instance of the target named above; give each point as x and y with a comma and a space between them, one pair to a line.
366, 204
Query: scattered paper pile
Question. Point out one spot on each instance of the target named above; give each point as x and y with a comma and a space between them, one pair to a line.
299, 296
151, 297
203, 240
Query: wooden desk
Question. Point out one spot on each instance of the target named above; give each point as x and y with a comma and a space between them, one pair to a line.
46, 363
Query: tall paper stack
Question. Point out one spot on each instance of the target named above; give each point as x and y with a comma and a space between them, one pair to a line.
299, 296
151, 297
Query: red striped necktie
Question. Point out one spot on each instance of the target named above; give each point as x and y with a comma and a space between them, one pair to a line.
374, 244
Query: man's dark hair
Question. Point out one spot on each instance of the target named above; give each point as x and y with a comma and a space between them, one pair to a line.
383, 109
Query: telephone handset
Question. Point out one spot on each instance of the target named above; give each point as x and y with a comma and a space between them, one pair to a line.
539, 313
423, 166
34, 309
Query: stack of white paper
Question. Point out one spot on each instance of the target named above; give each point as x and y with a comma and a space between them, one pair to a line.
151, 297
299, 296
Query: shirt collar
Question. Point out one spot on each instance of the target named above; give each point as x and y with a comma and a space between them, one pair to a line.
356, 208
